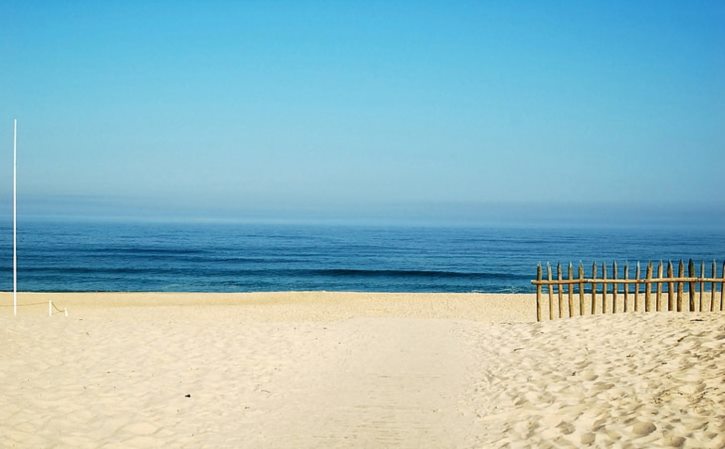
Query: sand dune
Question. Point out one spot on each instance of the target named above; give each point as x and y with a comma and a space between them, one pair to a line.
354, 370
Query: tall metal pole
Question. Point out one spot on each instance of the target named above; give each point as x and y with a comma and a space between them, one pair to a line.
15, 217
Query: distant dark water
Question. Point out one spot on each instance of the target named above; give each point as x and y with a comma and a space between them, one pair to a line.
229, 258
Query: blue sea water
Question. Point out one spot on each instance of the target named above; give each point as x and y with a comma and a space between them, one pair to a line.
115, 256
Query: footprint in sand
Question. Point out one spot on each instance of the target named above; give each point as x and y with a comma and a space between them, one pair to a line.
587, 438
643, 428
674, 441
566, 428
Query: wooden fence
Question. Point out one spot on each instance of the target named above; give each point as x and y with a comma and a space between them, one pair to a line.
610, 291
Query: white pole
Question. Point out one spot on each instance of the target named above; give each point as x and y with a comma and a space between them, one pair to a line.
50, 308
15, 217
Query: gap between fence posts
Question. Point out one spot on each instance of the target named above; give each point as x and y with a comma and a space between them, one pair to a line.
551, 291
615, 287
561, 300
638, 274
713, 286
571, 290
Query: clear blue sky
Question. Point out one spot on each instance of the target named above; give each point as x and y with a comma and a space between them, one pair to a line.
355, 109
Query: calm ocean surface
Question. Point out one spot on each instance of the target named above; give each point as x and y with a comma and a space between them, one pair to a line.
67, 256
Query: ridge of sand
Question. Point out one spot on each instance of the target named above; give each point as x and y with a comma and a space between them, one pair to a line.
358, 371
626, 380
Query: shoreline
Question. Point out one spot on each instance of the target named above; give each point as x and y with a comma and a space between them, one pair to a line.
314, 305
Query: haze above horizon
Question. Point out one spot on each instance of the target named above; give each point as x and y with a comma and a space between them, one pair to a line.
416, 111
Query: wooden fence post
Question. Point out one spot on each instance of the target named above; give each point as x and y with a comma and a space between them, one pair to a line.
615, 287
722, 288
604, 287
538, 293
648, 288
702, 284
680, 285
692, 274
581, 288
626, 287
659, 286
670, 286
551, 291
594, 287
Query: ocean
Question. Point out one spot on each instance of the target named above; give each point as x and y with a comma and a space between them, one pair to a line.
172, 257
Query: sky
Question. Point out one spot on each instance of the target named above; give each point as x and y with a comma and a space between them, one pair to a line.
458, 111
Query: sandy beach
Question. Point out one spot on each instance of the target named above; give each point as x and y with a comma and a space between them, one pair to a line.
353, 370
